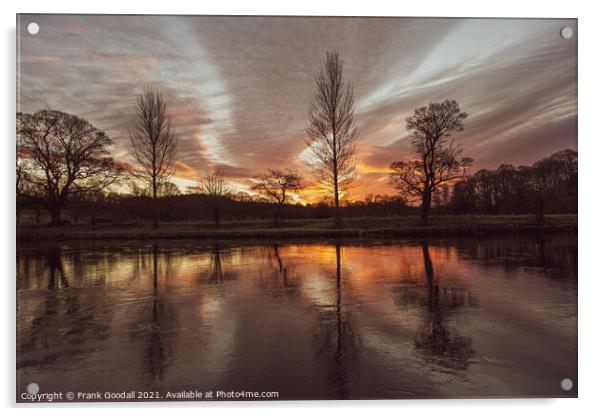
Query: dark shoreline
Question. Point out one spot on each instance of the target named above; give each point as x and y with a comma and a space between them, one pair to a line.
442, 227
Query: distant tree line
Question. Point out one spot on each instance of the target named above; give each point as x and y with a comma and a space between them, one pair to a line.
547, 186
129, 209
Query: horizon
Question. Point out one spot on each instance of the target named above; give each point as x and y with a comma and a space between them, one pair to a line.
239, 88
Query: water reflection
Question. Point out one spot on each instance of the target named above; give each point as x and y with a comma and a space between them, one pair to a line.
492, 317
440, 343
542, 253
218, 273
150, 326
54, 265
336, 338
283, 269
62, 322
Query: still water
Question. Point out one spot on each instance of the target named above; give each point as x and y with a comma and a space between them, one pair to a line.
493, 317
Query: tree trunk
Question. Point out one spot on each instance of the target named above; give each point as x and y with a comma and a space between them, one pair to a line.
55, 216
337, 212
426, 206
540, 207
216, 214
93, 219
155, 209
276, 215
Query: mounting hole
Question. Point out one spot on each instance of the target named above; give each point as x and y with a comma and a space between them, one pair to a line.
566, 32
566, 384
33, 28
33, 388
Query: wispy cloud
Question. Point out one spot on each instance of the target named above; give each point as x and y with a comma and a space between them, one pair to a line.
239, 87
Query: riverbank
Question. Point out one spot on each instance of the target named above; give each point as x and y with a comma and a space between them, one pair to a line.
385, 227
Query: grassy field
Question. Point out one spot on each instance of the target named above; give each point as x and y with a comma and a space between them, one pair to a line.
463, 225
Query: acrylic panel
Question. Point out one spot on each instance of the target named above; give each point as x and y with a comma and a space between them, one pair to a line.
295, 208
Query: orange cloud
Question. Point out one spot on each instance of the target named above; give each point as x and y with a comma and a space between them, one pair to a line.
184, 170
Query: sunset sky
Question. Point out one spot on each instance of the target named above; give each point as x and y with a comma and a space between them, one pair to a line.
239, 88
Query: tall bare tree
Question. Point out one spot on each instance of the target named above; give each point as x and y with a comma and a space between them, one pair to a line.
218, 188
437, 159
276, 185
60, 154
153, 143
332, 133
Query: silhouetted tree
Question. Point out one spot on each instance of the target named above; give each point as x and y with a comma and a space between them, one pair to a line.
93, 202
169, 189
275, 186
164, 189
437, 160
546, 176
153, 143
486, 190
508, 187
60, 155
217, 187
566, 190
20, 176
332, 133
242, 196
549, 185
568, 165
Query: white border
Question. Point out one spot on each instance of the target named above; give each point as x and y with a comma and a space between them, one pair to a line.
590, 197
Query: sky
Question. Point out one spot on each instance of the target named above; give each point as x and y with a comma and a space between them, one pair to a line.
239, 88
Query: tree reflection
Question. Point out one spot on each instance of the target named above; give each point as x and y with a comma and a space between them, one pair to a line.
282, 267
56, 272
81, 319
277, 275
557, 257
217, 274
435, 338
155, 352
151, 325
337, 338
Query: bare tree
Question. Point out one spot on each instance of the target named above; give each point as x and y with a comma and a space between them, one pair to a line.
332, 133
217, 187
153, 143
438, 160
549, 185
94, 203
20, 179
165, 189
276, 186
168, 189
61, 154
546, 176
